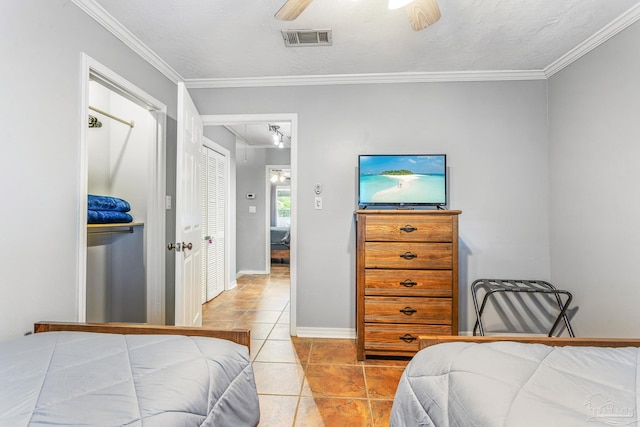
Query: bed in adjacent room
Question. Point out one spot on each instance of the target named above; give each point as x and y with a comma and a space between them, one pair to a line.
498, 381
115, 374
280, 243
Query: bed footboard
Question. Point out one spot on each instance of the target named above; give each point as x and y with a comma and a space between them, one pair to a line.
240, 336
429, 340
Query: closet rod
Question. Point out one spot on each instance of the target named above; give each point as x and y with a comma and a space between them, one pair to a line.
111, 116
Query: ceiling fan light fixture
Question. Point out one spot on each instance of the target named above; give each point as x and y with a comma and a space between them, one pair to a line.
397, 4
422, 13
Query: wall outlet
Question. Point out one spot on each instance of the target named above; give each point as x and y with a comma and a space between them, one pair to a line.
317, 203
253, 209
167, 202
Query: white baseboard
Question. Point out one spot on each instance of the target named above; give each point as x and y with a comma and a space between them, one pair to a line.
243, 272
347, 333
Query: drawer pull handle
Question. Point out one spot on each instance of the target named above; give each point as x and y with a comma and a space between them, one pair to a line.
408, 283
408, 228
408, 255
408, 311
408, 338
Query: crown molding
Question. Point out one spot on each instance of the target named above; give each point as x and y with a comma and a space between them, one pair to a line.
617, 25
373, 78
94, 10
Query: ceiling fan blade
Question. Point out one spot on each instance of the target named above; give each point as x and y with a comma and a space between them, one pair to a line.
292, 9
422, 13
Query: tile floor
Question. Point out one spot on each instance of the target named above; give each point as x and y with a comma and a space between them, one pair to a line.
303, 381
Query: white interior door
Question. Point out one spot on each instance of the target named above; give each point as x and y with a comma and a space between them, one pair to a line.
188, 243
214, 184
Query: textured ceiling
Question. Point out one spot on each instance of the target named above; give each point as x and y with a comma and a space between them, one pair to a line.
205, 39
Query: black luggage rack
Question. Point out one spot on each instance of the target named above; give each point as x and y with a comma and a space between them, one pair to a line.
493, 286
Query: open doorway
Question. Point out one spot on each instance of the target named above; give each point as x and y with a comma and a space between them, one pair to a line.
122, 140
278, 214
248, 197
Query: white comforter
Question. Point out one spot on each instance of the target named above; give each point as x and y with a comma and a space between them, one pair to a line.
514, 384
79, 378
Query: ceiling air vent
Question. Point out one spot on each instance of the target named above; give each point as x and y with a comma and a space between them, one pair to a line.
306, 37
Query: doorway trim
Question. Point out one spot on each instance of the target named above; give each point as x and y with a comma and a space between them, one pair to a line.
235, 119
155, 221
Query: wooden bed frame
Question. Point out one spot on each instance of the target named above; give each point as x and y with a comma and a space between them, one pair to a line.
240, 336
429, 340
280, 253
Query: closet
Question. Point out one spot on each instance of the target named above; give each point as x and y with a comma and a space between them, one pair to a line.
120, 143
214, 183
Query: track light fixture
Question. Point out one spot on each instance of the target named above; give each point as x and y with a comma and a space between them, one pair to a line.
278, 137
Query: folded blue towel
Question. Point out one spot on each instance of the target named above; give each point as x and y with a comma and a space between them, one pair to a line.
107, 203
107, 217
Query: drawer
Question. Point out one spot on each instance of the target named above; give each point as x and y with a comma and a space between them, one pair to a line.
408, 256
379, 338
407, 310
408, 228
420, 283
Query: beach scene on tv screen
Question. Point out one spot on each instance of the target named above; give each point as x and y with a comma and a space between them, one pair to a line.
402, 179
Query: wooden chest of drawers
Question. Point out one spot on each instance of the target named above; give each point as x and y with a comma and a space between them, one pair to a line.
407, 279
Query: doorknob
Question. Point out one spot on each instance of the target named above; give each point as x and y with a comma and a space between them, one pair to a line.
180, 246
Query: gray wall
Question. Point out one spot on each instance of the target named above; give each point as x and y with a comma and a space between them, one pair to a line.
42, 42
250, 227
495, 134
594, 128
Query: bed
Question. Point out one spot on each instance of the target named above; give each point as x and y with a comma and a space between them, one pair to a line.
118, 374
514, 381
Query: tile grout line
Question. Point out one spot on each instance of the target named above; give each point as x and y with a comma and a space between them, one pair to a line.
295, 415
366, 388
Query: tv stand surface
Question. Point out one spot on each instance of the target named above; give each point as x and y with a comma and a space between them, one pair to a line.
388, 208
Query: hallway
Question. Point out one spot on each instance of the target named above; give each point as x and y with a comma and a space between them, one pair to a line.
303, 381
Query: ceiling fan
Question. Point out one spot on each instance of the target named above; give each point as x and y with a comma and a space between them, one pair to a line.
422, 13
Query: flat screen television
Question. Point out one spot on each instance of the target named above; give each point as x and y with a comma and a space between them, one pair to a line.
402, 180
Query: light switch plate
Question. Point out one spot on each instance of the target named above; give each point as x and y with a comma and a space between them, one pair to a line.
318, 203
